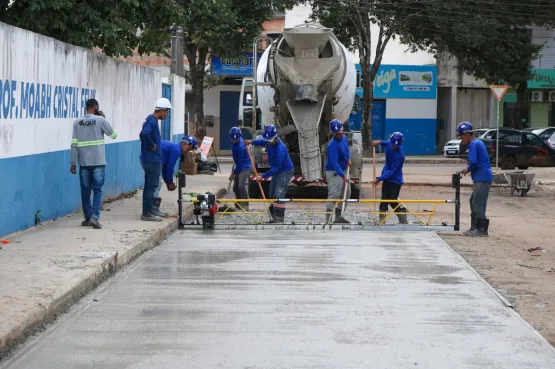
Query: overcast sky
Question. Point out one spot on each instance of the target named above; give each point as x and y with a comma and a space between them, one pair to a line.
395, 53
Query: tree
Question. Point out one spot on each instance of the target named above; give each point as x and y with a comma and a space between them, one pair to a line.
116, 27
224, 27
351, 21
491, 41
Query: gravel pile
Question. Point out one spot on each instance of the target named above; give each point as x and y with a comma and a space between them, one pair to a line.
293, 215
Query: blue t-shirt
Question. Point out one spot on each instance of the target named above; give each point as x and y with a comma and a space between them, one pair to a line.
338, 155
277, 156
240, 156
393, 168
171, 152
150, 136
478, 162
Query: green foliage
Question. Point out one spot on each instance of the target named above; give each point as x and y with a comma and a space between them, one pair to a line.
226, 28
110, 25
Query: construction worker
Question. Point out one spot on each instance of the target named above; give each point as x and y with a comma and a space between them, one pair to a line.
87, 148
171, 152
281, 169
242, 168
479, 168
151, 156
338, 159
392, 176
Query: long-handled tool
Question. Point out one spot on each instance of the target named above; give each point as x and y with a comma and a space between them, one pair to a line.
259, 184
345, 191
231, 180
374, 173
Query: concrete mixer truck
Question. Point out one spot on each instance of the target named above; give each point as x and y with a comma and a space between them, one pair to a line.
304, 79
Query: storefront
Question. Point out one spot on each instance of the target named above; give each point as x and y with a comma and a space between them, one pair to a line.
405, 100
539, 108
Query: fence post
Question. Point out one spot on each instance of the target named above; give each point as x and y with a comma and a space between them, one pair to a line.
456, 181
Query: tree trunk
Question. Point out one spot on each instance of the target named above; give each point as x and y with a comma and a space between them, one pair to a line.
518, 111
197, 64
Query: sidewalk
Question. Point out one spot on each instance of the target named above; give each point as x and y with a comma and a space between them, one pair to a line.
48, 268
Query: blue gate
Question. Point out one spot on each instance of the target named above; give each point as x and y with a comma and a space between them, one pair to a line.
378, 119
167, 123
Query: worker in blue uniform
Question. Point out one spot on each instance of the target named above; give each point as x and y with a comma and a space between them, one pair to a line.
338, 158
241, 170
281, 170
171, 152
479, 167
392, 176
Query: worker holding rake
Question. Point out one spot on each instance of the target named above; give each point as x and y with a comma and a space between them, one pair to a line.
392, 176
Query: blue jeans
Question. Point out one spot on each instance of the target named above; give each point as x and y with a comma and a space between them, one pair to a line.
92, 179
279, 184
152, 181
159, 187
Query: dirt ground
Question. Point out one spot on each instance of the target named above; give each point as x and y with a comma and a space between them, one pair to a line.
526, 280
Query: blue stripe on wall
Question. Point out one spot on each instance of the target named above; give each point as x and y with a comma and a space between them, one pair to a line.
43, 182
420, 134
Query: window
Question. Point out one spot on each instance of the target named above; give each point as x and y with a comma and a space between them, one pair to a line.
545, 135
534, 140
247, 99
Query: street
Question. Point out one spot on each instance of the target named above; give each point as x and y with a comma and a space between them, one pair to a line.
299, 300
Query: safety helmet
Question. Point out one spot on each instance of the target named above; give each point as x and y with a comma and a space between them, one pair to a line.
163, 103
336, 126
235, 133
396, 138
464, 128
191, 141
270, 132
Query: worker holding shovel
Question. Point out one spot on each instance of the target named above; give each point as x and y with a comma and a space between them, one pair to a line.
337, 170
281, 171
241, 169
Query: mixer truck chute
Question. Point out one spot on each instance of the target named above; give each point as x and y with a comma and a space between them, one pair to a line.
303, 80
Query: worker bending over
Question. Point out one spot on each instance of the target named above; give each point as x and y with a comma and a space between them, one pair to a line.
479, 168
338, 159
281, 169
392, 175
242, 168
171, 152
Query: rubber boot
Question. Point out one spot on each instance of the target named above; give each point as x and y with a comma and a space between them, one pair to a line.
279, 215
150, 218
472, 226
481, 230
339, 219
381, 217
272, 214
156, 208
402, 216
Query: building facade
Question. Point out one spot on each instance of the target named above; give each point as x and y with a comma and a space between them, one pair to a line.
405, 100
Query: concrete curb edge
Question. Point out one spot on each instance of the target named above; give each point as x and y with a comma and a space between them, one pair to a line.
61, 304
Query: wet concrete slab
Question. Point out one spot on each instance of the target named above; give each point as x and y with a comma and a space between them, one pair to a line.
331, 299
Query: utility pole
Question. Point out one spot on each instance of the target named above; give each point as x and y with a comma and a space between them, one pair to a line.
177, 67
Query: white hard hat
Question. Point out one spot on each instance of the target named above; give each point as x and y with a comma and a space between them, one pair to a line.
163, 103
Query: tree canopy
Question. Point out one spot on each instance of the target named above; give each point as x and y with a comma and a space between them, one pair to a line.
110, 25
226, 28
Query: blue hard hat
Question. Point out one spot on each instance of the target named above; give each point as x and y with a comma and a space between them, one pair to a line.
270, 132
191, 141
336, 126
464, 128
397, 138
235, 133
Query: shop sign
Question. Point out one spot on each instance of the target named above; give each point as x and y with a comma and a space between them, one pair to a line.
543, 78
404, 82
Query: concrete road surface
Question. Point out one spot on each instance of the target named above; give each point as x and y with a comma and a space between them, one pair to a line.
297, 300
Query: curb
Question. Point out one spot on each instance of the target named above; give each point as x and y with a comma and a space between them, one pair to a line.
48, 314
424, 184
381, 161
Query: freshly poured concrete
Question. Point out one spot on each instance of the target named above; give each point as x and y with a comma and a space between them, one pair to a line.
341, 299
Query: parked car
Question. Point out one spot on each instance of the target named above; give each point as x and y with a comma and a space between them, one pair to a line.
517, 148
544, 133
451, 148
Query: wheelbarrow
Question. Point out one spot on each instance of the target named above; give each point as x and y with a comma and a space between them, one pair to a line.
515, 181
